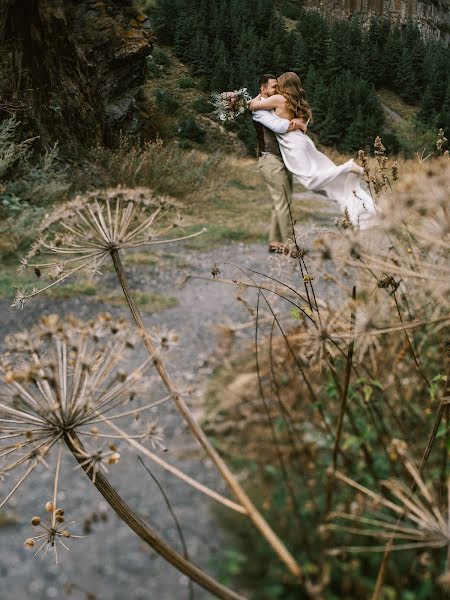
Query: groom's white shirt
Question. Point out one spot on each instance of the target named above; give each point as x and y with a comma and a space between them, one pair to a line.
271, 121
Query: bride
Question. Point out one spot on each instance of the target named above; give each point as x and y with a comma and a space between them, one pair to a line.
310, 167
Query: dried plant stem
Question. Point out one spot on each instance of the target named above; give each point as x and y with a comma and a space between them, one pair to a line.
55, 487
411, 347
343, 406
171, 469
146, 534
197, 431
256, 286
301, 264
279, 454
175, 519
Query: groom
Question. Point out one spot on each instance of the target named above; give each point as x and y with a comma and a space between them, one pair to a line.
271, 166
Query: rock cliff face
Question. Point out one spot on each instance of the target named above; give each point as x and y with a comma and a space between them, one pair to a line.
432, 16
71, 69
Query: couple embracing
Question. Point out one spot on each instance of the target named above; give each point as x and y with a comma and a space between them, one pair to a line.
287, 154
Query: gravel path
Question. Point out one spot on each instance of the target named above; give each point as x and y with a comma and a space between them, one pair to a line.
110, 562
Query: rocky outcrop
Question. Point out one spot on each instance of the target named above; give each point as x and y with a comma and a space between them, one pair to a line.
432, 16
71, 69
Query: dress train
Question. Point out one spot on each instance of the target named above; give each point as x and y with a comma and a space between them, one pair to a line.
316, 172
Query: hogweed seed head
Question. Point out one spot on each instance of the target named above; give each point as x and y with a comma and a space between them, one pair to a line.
50, 535
423, 523
79, 235
60, 384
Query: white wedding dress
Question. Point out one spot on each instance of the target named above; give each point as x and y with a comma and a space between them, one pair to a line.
316, 172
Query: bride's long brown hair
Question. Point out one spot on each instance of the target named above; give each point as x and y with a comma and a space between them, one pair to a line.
290, 86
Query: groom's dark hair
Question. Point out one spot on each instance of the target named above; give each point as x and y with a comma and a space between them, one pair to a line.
264, 79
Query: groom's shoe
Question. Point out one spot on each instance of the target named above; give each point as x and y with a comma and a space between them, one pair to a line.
288, 249
276, 247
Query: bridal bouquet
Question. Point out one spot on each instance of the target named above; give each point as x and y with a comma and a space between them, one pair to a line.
229, 105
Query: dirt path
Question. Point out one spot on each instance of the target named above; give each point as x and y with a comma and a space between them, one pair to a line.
392, 114
111, 563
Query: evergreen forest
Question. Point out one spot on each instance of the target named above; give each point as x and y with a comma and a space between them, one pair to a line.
230, 43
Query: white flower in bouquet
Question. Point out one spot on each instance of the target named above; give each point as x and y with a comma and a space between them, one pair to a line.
229, 105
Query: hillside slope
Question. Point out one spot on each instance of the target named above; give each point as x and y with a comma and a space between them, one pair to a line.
172, 95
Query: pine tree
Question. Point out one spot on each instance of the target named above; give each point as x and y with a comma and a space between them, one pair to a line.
317, 95
391, 56
298, 57
200, 54
219, 77
406, 78
444, 115
438, 82
373, 50
338, 111
427, 113
314, 31
164, 17
413, 41
356, 136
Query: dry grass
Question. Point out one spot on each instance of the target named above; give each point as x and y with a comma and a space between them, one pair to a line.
395, 103
341, 377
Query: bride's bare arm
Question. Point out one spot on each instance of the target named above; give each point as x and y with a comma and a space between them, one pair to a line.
258, 103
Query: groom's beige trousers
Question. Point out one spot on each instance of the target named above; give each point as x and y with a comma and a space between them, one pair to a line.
279, 182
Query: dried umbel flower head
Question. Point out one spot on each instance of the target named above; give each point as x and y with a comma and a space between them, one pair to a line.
81, 234
51, 533
65, 385
412, 518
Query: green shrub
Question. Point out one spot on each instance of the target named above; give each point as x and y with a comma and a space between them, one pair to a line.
185, 145
11, 150
166, 101
153, 68
186, 82
160, 57
190, 130
201, 105
10, 204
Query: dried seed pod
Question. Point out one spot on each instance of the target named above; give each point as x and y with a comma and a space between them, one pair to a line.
114, 458
49, 507
9, 377
36, 521
29, 543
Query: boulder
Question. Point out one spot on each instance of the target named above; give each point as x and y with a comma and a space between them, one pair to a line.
71, 69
